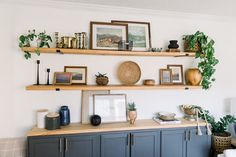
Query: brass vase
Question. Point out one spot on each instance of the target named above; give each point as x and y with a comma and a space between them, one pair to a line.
193, 77
132, 116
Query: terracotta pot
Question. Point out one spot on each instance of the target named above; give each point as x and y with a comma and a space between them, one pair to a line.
193, 77
102, 81
132, 116
221, 142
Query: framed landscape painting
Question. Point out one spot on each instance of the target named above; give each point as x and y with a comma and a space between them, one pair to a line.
139, 33
177, 73
106, 36
79, 74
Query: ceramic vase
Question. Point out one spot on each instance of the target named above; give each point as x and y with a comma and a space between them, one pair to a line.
173, 44
132, 116
193, 77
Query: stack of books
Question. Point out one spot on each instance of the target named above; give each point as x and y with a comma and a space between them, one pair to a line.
175, 121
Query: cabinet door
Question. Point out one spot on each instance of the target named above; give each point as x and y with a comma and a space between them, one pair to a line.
173, 143
115, 145
145, 144
45, 147
82, 146
198, 146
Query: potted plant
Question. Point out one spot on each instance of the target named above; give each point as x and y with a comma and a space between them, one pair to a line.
101, 79
220, 137
132, 112
203, 46
42, 40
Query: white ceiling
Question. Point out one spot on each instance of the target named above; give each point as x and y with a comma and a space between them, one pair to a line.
211, 7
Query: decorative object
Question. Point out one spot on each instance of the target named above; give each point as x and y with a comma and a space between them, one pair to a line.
64, 115
67, 42
189, 111
173, 44
41, 118
48, 72
101, 79
125, 46
52, 121
177, 73
155, 49
107, 35
95, 120
165, 76
206, 55
162, 122
139, 33
42, 40
79, 74
111, 108
84, 40
173, 50
129, 73
57, 39
193, 77
221, 138
149, 82
132, 112
166, 116
38, 62
62, 78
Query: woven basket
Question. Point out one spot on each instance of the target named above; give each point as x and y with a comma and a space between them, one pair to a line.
221, 143
188, 49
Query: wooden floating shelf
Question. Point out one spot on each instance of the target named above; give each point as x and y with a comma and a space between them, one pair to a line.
108, 52
108, 87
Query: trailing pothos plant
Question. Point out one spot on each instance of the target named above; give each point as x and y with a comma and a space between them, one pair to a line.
206, 55
42, 40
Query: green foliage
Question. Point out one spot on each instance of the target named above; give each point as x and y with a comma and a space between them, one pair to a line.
101, 75
206, 54
218, 127
131, 106
42, 38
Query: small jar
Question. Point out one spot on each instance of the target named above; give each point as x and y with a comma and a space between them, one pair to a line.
64, 115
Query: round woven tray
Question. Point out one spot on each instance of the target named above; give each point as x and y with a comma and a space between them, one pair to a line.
129, 73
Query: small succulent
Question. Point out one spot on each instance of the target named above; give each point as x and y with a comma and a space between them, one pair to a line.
132, 106
101, 75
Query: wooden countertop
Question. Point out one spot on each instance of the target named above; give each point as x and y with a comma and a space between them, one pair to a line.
76, 128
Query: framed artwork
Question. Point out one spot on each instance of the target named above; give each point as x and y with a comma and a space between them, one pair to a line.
165, 76
62, 78
105, 36
139, 33
177, 73
79, 74
111, 107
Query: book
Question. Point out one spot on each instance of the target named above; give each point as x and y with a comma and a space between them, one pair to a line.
175, 121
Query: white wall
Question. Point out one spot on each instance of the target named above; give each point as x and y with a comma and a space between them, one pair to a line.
18, 106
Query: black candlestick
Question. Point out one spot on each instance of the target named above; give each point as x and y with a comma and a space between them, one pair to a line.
38, 62
48, 71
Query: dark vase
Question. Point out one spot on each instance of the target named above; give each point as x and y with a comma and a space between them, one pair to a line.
95, 120
173, 44
64, 115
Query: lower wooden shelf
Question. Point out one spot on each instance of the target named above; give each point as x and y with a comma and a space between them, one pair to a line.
108, 87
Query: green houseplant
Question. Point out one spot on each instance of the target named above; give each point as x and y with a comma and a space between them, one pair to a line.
101, 79
132, 112
205, 52
221, 138
42, 40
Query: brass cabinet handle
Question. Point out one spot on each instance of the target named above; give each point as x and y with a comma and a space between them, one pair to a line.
66, 145
60, 145
128, 139
186, 135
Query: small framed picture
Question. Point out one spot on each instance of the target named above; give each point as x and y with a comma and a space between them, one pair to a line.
79, 74
165, 76
111, 107
106, 36
177, 73
62, 78
139, 33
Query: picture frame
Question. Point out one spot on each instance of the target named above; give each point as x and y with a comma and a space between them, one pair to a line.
79, 74
177, 74
105, 36
111, 107
142, 32
165, 76
62, 78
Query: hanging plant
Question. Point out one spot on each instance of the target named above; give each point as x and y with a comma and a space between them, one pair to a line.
42, 40
205, 52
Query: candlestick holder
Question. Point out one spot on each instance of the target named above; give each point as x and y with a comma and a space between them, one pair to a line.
37, 77
48, 74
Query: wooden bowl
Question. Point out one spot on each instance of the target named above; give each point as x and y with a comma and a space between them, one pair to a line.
149, 82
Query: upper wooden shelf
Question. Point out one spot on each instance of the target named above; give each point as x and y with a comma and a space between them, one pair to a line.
108, 87
108, 52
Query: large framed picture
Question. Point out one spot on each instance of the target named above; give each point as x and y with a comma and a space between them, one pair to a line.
139, 33
111, 107
165, 76
106, 36
62, 78
177, 73
79, 74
